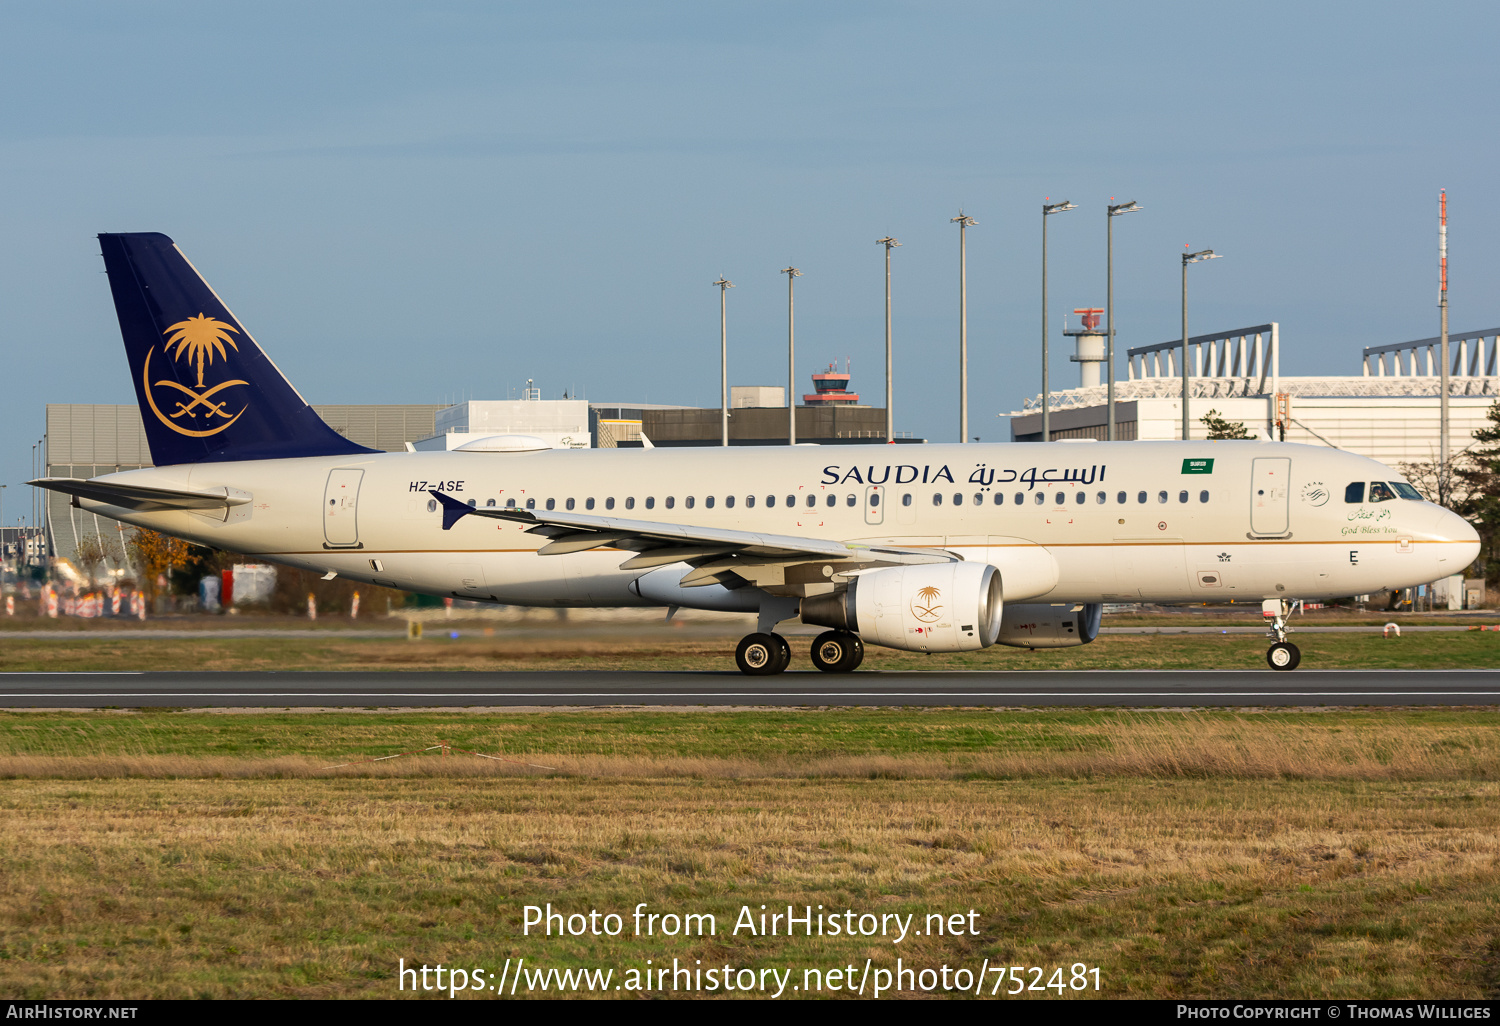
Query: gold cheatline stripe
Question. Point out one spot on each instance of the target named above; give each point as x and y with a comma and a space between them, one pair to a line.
1023, 545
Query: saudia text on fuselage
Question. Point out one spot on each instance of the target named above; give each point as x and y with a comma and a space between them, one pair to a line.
983, 475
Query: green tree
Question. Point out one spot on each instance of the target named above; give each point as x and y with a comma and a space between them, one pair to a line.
1219, 428
1477, 495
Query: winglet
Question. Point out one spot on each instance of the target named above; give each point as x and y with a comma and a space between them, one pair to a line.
453, 510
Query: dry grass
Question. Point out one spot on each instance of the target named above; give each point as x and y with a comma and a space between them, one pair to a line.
1230, 854
314, 888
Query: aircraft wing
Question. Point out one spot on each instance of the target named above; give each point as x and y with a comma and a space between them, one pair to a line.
144, 499
711, 550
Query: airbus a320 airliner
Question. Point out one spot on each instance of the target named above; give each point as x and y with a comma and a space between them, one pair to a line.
934, 548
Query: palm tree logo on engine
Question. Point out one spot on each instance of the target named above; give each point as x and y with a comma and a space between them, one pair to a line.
925, 606
199, 339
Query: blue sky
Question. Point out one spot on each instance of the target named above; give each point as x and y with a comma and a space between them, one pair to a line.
410, 203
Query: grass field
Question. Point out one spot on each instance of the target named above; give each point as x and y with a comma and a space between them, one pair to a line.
662, 648
1336, 853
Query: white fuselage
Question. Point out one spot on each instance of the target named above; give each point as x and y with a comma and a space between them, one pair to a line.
1123, 521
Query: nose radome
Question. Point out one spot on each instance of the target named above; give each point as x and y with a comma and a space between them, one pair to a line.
1449, 526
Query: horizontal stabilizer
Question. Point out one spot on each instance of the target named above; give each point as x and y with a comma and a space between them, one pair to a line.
142, 499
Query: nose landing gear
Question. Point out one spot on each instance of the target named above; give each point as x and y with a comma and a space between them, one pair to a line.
1282, 655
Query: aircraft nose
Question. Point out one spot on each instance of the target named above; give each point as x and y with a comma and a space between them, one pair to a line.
1450, 527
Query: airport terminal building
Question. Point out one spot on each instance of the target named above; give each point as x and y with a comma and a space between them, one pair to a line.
1389, 411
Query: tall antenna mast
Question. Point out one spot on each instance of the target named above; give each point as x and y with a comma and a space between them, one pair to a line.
1443, 316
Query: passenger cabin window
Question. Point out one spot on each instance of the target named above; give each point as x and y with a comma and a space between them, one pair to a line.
1080, 499
1161, 496
689, 501
489, 502
850, 500
958, 500
1354, 491
630, 502
1041, 497
609, 503
1060, 499
749, 502
874, 499
551, 503
770, 501
1140, 496
1100, 498
432, 505
1203, 496
531, 504
588, 503
708, 503
1380, 491
570, 503
937, 498
510, 503
1182, 496
650, 502
812, 500
473, 503
833, 500
999, 498
1120, 497
1020, 498
729, 502
671, 501
791, 500
906, 499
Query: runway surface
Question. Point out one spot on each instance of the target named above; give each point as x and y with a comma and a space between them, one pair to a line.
1140, 688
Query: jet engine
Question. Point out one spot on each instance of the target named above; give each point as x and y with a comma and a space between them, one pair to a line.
929, 607
1042, 626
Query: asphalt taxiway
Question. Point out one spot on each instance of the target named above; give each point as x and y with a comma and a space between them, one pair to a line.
455, 689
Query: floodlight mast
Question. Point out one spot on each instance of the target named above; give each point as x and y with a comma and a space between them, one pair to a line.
890, 435
1113, 211
724, 285
792, 274
964, 222
1048, 209
1189, 258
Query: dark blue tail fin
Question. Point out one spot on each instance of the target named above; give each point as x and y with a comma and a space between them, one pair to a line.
206, 390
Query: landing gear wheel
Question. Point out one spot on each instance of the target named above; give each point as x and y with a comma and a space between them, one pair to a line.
1283, 656
761, 655
837, 652
784, 656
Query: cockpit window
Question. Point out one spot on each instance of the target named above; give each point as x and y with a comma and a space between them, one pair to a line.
1380, 492
1405, 490
1354, 491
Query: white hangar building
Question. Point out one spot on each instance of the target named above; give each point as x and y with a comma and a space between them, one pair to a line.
1389, 411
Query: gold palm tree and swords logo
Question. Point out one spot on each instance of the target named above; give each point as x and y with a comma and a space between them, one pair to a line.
925, 605
198, 338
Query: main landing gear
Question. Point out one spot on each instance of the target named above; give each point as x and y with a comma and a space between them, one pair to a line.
764, 654
838, 652
1282, 655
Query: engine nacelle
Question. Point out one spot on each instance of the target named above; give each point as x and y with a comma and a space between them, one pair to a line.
930, 607
1041, 626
